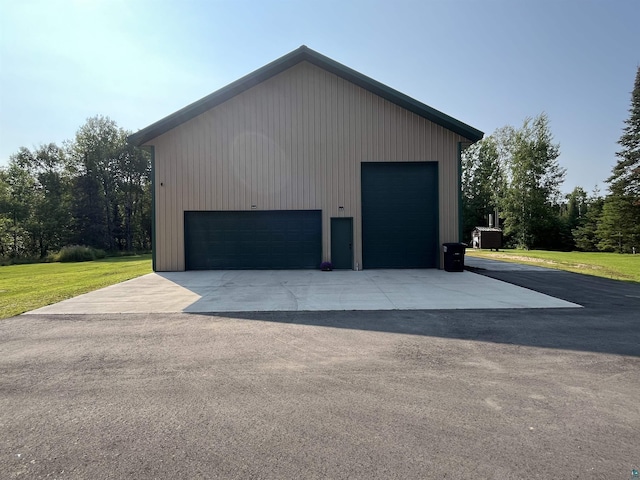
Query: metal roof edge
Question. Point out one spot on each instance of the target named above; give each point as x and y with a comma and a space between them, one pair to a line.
281, 64
395, 96
219, 96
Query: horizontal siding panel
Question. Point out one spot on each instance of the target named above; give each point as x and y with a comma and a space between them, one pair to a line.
293, 142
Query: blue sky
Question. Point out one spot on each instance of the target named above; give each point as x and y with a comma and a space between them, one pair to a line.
489, 63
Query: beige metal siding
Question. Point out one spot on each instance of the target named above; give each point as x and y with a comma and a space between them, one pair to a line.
295, 141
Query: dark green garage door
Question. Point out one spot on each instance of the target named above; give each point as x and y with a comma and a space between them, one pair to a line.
400, 215
253, 240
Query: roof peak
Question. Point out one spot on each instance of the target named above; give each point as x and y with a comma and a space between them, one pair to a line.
302, 53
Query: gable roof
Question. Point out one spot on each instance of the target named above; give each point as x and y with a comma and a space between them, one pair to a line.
487, 229
301, 54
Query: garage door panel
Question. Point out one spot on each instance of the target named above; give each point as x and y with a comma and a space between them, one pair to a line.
253, 239
400, 215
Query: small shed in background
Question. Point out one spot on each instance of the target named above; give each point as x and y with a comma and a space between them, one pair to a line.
487, 237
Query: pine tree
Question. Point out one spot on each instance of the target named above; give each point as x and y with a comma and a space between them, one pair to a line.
585, 235
625, 178
572, 216
620, 222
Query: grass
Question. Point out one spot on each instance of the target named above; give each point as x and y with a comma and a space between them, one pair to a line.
31, 286
609, 265
26, 287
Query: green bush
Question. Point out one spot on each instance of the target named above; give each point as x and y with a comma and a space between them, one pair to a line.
4, 261
78, 253
125, 253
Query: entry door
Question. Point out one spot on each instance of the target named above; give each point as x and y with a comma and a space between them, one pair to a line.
342, 243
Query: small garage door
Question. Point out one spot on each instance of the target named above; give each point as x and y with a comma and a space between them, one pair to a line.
253, 240
400, 215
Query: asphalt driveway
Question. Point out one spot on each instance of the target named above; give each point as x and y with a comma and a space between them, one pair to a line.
497, 394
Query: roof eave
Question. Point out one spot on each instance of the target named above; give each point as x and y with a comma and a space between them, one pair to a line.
396, 97
302, 53
219, 96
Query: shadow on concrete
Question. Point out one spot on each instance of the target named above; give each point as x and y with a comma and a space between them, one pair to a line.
609, 323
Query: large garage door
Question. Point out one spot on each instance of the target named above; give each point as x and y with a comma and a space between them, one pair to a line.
253, 240
400, 215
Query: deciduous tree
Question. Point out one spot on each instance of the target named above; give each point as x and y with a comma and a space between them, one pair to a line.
532, 198
17, 205
49, 221
94, 192
483, 183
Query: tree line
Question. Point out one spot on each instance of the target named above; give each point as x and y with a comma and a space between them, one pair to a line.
515, 173
94, 190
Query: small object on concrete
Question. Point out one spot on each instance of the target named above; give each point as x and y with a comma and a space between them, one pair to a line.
634, 475
454, 256
326, 266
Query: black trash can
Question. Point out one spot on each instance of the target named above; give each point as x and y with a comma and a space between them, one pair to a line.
454, 256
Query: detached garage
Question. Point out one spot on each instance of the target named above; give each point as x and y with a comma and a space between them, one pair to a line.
303, 161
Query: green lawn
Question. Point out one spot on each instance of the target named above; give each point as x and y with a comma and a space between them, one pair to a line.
26, 287
608, 265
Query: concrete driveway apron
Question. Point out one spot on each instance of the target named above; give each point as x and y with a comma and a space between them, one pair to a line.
304, 290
